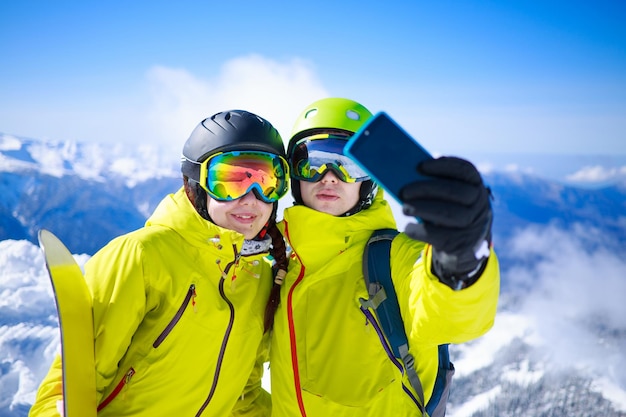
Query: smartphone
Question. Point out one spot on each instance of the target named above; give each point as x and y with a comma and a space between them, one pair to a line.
387, 153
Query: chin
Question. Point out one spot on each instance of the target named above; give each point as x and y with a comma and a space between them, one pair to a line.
249, 235
330, 209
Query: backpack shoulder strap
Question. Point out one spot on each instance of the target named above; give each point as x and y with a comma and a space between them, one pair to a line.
384, 301
382, 294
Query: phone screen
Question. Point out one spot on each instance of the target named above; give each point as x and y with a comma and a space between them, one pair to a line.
387, 153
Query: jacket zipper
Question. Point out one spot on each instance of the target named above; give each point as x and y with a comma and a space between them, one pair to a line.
191, 294
292, 331
118, 388
370, 317
229, 328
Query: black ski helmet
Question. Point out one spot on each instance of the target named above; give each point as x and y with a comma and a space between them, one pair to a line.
225, 131
339, 116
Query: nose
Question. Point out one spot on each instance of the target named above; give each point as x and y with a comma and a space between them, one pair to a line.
330, 177
249, 198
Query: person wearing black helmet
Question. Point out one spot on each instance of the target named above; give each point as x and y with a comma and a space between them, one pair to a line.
328, 354
179, 304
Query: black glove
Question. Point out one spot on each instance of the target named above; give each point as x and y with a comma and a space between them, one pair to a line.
456, 215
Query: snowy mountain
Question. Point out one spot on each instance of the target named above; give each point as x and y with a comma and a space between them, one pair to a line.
558, 347
84, 193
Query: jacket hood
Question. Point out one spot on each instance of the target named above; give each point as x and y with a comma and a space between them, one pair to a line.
176, 212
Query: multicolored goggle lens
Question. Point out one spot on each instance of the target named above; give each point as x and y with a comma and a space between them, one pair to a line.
231, 175
314, 155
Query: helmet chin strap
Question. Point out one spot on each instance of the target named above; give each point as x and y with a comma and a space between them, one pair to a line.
366, 197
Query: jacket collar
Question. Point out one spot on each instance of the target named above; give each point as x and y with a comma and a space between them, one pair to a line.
313, 234
176, 212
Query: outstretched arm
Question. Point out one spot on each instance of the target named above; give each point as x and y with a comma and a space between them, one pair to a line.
433, 312
455, 209
452, 291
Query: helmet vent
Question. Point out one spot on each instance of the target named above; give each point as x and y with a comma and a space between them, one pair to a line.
351, 114
310, 113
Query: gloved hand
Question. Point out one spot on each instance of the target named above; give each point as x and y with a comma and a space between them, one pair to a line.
456, 217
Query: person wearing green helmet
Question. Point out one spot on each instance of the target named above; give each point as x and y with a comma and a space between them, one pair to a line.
179, 305
327, 355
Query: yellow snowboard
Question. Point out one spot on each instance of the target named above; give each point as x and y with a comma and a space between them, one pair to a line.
74, 308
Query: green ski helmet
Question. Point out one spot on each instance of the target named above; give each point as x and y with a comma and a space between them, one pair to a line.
338, 116
232, 130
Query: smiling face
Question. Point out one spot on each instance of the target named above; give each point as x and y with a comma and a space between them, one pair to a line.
246, 215
330, 195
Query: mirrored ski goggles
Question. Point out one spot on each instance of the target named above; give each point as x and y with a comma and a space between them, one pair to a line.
231, 175
314, 155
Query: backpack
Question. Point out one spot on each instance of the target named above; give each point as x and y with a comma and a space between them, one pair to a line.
383, 300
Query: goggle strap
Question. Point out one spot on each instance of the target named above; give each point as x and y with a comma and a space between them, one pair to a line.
191, 169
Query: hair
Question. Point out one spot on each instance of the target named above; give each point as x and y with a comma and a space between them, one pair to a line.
279, 253
197, 196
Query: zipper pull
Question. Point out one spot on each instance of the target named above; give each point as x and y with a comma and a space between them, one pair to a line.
233, 284
193, 298
367, 320
127, 379
219, 266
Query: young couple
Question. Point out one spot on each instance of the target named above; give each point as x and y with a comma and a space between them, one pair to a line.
188, 308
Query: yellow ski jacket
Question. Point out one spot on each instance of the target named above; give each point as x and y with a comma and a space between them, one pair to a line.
178, 321
326, 356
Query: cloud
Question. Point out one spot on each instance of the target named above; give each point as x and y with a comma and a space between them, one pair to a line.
597, 173
573, 314
275, 90
576, 302
162, 106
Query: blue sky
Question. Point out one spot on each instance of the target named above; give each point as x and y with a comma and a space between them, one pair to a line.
461, 76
